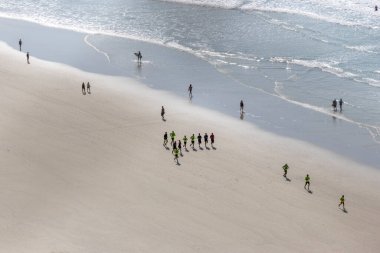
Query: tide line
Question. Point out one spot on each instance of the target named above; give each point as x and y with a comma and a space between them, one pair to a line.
96, 49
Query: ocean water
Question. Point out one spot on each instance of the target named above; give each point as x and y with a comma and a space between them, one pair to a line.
297, 54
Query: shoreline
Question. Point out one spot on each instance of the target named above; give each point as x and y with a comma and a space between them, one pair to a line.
212, 91
89, 174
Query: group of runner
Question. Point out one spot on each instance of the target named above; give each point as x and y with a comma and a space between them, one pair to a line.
177, 144
285, 167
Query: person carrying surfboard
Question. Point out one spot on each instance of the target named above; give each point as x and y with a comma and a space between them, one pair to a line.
139, 56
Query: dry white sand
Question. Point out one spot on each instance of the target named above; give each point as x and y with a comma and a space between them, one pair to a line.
89, 174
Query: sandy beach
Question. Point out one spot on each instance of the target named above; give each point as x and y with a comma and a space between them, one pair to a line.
89, 173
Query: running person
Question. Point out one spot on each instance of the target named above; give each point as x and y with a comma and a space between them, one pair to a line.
180, 147
174, 145
340, 104
212, 138
307, 182
172, 136
184, 141
192, 138
241, 106
20, 44
176, 154
341, 201
199, 140
83, 88
165, 139
285, 168
205, 137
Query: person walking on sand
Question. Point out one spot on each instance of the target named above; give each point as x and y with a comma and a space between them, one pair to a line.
165, 139
162, 112
88, 88
241, 106
341, 201
307, 182
190, 89
180, 147
83, 89
212, 138
205, 138
27, 57
199, 140
176, 154
340, 104
285, 168
174, 145
192, 138
172, 136
184, 141
20, 44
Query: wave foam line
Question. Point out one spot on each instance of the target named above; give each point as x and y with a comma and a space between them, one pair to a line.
268, 6
95, 48
329, 68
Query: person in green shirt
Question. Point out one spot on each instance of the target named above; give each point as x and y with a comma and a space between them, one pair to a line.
285, 168
192, 140
176, 154
172, 136
184, 141
307, 182
341, 201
